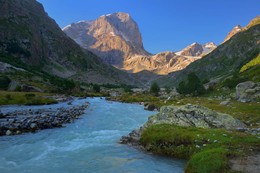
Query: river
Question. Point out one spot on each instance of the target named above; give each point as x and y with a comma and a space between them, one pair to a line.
89, 145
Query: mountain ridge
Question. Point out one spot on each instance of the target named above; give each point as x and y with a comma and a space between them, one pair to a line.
120, 44
226, 60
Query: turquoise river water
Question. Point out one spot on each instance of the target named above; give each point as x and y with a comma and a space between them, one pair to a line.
89, 145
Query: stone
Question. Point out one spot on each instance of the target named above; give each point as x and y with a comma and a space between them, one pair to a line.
150, 107
194, 116
248, 91
225, 103
8, 132
33, 126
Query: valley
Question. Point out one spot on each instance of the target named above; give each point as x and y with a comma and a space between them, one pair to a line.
90, 97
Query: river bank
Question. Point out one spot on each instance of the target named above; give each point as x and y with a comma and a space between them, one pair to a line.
31, 119
208, 140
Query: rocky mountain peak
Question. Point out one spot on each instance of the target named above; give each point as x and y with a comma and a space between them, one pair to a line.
210, 45
195, 49
114, 37
124, 17
233, 32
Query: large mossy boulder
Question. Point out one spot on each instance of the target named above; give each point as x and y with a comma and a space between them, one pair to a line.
248, 91
194, 116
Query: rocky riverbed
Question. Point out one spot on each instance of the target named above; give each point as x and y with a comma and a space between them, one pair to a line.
31, 120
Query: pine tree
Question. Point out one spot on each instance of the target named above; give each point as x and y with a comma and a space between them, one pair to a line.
155, 89
194, 86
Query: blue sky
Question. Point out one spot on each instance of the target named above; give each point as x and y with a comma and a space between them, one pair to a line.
166, 25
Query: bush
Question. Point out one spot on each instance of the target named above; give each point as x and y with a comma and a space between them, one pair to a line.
18, 88
168, 89
193, 86
4, 82
234, 81
29, 96
96, 88
155, 89
8, 97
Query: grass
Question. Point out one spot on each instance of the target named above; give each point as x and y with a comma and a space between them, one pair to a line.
249, 113
208, 150
252, 73
252, 63
24, 98
136, 98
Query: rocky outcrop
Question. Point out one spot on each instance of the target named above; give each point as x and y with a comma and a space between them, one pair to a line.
18, 122
149, 107
194, 116
133, 138
248, 91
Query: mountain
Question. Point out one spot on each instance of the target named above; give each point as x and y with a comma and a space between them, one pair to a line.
117, 40
226, 60
31, 40
197, 50
233, 32
114, 37
161, 63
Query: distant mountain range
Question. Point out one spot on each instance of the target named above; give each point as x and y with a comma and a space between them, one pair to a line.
117, 40
240, 47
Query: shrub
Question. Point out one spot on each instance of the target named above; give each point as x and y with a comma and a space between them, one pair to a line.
18, 88
4, 82
234, 81
168, 89
8, 97
155, 89
96, 88
193, 86
29, 96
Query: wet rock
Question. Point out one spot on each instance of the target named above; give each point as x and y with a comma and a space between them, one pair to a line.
23, 121
132, 139
149, 107
33, 126
8, 132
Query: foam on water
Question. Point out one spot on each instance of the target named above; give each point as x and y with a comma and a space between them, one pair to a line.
90, 144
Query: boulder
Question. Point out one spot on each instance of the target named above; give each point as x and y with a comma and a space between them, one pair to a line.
8, 132
194, 116
33, 126
248, 91
226, 102
149, 107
